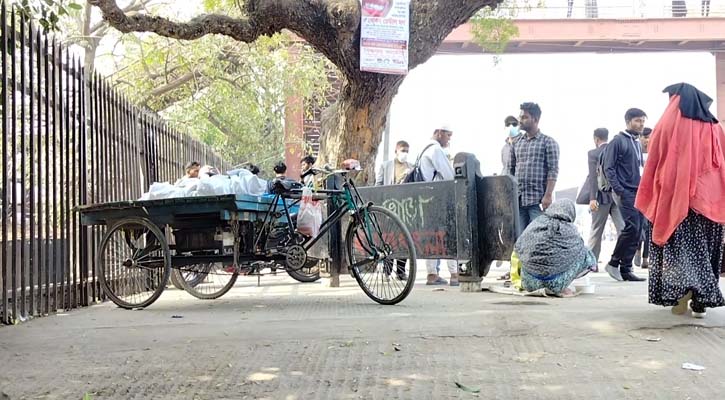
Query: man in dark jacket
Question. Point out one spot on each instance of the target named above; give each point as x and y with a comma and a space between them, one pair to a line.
622, 162
601, 204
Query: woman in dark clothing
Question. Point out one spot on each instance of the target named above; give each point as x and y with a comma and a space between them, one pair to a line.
682, 193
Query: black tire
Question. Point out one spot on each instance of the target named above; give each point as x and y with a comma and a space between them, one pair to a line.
376, 277
307, 274
207, 281
174, 278
192, 278
134, 263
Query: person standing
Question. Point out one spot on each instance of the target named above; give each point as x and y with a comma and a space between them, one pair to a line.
682, 193
435, 166
601, 204
511, 131
641, 257
392, 172
535, 164
621, 164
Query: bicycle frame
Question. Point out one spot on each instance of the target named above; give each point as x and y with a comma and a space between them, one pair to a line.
352, 205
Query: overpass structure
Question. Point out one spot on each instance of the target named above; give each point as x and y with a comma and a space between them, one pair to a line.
610, 36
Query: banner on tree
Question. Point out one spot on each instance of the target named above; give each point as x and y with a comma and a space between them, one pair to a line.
384, 36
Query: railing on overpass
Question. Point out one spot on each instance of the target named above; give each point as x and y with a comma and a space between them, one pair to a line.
612, 9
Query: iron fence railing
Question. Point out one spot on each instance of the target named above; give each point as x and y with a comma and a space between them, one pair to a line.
66, 141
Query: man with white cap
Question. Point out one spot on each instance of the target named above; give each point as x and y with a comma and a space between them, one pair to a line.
435, 166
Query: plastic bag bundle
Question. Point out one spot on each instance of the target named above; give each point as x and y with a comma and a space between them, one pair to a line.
309, 218
254, 185
216, 185
164, 190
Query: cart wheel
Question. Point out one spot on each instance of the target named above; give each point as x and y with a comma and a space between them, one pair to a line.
207, 281
175, 280
134, 262
309, 273
191, 274
381, 254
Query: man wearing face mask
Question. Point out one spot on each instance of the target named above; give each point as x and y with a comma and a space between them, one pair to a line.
511, 132
622, 162
392, 172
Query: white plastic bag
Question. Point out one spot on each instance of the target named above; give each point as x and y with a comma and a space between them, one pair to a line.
254, 185
239, 186
309, 218
189, 184
165, 190
216, 185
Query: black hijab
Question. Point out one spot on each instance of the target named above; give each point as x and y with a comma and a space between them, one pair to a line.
694, 104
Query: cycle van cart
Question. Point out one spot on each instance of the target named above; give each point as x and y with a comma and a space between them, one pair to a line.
208, 241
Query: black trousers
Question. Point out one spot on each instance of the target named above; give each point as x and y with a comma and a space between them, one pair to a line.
628, 241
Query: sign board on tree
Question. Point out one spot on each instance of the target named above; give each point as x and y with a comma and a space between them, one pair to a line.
384, 36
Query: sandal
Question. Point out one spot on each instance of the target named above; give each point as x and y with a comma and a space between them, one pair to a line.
439, 281
681, 306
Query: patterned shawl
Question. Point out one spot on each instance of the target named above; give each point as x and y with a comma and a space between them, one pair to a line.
551, 244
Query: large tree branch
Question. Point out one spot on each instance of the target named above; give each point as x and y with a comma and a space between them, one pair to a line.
330, 26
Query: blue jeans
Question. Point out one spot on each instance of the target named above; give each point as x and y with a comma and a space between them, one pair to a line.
528, 214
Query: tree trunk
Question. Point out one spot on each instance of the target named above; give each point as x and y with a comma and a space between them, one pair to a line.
352, 127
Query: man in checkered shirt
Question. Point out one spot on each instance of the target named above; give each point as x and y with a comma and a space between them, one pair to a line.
535, 164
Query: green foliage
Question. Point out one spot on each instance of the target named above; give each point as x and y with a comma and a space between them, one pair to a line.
230, 95
47, 12
493, 29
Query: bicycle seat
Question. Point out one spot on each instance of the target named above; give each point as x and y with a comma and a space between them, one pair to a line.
282, 186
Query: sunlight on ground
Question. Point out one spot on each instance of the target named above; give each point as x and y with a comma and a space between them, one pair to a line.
417, 377
529, 357
261, 377
649, 364
395, 382
605, 327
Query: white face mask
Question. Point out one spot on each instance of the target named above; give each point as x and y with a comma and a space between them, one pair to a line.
402, 157
511, 131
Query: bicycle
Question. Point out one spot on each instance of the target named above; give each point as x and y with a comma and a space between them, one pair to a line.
376, 240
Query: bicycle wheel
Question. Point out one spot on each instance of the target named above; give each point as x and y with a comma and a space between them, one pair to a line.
207, 281
381, 254
134, 263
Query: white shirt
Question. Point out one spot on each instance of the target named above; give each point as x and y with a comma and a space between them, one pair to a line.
435, 160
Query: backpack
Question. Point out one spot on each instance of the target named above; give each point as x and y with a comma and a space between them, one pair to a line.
415, 174
602, 182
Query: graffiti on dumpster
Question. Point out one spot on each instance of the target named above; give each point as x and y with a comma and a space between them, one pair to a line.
429, 242
410, 210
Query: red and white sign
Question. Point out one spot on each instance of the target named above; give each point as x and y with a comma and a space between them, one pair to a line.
384, 36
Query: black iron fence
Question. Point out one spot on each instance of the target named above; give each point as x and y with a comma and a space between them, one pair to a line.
67, 140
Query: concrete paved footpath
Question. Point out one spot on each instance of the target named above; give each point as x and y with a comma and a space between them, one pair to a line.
286, 340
